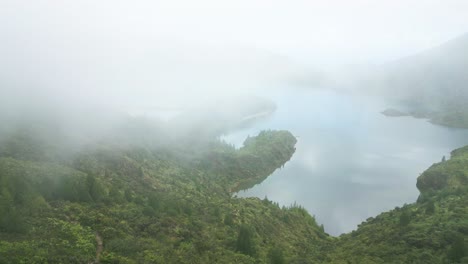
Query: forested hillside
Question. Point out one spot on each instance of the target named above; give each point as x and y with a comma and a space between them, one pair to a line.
129, 202
432, 230
140, 205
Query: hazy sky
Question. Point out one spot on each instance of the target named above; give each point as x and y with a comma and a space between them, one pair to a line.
357, 30
172, 45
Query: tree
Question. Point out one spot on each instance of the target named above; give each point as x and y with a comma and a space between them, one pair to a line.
73, 189
228, 219
154, 201
405, 218
20, 190
128, 195
458, 250
115, 195
95, 188
10, 219
430, 207
275, 255
443, 158
245, 243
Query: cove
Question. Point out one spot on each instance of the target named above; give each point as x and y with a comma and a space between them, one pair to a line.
351, 161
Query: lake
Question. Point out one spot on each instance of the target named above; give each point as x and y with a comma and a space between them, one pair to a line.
351, 161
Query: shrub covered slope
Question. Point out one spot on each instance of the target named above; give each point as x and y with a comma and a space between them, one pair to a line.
136, 203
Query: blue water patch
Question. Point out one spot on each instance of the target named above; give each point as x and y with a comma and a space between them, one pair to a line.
351, 162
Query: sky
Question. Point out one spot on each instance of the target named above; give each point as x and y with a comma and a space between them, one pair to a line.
157, 49
367, 30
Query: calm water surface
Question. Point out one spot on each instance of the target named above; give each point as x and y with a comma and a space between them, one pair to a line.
351, 161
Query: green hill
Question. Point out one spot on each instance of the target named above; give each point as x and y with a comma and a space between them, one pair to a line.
151, 206
432, 230
137, 203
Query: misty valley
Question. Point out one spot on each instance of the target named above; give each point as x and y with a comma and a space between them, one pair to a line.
176, 190
246, 132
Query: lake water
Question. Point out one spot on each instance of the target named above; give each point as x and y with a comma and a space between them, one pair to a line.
351, 162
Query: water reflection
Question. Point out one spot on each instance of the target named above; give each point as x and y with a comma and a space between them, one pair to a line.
351, 161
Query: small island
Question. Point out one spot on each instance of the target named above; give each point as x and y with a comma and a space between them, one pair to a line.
393, 112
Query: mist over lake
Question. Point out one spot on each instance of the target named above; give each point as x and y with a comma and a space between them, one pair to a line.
351, 161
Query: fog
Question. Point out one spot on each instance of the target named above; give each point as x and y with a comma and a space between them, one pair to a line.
171, 53
85, 68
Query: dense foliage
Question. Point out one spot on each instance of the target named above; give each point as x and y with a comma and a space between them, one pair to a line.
133, 203
432, 230
151, 206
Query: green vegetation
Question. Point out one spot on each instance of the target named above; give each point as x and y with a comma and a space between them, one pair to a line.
135, 204
254, 162
152, 206
452, 116
433, 230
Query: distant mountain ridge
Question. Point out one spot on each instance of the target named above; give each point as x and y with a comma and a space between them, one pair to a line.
433, 83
